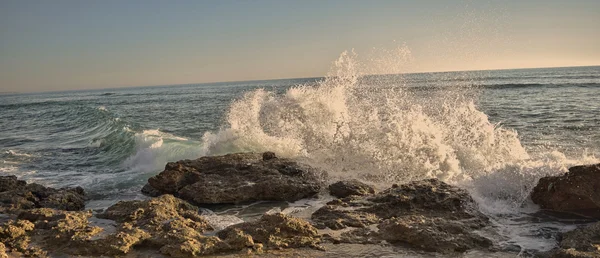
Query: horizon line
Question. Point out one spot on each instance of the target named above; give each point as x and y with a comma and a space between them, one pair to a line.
277, 79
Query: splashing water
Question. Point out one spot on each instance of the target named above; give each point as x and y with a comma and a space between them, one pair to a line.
380, 128
372, 126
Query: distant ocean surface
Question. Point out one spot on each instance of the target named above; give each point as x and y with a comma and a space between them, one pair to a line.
492, 132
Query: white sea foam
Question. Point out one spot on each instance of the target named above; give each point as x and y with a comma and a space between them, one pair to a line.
376, 128
155, 148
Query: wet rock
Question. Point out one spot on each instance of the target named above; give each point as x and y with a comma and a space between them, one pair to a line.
15, 236
237, 178
410, 215
17, 194
119, 243
346, 188
338, 218
574, 192
275, 231
429, 197
3, 251
360, 236
579, 243
148, 190
154, 213
268, 155
168, 224
432, 234
9, 183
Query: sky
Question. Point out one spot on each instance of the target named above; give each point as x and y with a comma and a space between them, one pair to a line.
73, 44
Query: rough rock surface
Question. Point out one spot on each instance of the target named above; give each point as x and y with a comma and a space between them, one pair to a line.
17, 194
346, 188
431, 234
574, 192
579, 243
171, 225
416, 214
236, 178
277, 231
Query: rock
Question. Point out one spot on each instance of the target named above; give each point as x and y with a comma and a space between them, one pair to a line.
9, 183
574, 192
346, 188
165, 224
335, 218
14, 235
432, 234
171, 225
275, 231
3, 251
579, 243
148, 190
154, 213
237, 178
409, 214
268, 155
17, 194
360, 236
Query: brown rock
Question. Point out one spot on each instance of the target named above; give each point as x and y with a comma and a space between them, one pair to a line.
574, 192
334, 218
16, 194
418, 214
237, 178
3, 251
346, 188
15, 235
432, 234
579, 243
275, 231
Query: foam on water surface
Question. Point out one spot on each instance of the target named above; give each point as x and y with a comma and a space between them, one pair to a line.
378, 129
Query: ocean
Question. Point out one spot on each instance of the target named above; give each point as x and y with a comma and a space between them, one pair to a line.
494, 133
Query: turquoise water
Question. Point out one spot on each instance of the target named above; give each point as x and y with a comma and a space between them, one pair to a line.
492, 132
102, 139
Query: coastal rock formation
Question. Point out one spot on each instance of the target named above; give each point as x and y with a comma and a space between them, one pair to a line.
346, 188
236, 178
574, 192
17, 194
165, 225
276, 231
417, 214
432, 234
579, 243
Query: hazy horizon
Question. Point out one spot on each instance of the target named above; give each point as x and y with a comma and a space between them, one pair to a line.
71, 45
275, 79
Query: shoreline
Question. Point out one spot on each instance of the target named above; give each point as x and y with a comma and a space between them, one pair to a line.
425, 218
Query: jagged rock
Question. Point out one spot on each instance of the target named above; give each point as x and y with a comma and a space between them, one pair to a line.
574, 192
425, 210
3, 251
579, 243
14, 235
237, 178
171, 225
148, 190
276, 231
346, 188
335, 218
9, 183
17, 194
360, 236
154, 213
432, 234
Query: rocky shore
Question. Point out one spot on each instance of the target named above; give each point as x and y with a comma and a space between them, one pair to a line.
425, 217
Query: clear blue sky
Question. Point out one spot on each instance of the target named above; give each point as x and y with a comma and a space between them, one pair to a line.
61, 44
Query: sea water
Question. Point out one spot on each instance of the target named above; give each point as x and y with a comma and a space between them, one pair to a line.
494, 133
